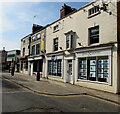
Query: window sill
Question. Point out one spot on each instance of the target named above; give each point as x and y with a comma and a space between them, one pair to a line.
105, 83
55, 31
94, 14
94, 44
55, 76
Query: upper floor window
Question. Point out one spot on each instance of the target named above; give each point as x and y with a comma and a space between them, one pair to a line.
23, 51
69, 41
34, 37
38, 36
33, 50
55, 28
94, 35
93, 10
55, 44
23, 41
37, 49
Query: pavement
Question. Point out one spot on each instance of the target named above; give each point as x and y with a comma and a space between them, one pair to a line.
57, 88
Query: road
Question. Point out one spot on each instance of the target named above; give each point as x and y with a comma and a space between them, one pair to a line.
18, 99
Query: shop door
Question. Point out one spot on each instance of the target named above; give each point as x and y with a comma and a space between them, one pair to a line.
69, 72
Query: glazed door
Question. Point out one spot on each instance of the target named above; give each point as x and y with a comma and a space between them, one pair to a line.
69, 71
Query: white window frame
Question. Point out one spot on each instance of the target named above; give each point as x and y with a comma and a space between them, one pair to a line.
71, 40
104, 51
38, 35
55, 44
55, 28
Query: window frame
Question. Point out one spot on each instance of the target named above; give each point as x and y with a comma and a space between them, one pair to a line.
69, 41
98, 79
93, 11
23, 52
55, 44
55, 28
38, 35
33, 51
91, 36
55, 70
37, 49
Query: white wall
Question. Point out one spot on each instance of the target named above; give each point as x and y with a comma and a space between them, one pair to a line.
79, 23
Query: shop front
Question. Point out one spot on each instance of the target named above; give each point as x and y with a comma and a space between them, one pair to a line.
35, 65
55, 66
94, 68
24, 64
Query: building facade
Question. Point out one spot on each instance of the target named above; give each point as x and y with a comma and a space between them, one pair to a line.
82, 48
36, 59
25, 52
13, 58
3, 59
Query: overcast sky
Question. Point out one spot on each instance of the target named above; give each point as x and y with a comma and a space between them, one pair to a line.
16, 19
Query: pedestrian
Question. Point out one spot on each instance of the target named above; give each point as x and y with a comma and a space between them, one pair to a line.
12, 71
38, 76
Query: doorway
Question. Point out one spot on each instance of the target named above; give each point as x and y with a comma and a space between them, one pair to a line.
69, 71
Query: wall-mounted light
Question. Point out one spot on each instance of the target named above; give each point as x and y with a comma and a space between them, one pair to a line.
60, 48
80, 44
84, 10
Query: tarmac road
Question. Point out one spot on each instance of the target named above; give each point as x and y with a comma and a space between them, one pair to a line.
17, 99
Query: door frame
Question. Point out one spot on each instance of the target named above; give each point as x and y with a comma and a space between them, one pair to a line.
66, 69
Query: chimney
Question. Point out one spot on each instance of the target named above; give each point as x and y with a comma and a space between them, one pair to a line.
36, 28
66, 10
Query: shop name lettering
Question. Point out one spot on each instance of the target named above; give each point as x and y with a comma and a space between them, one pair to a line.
90, 53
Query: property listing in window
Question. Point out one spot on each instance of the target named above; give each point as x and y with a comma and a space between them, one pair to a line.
94, 69
54, 67
83, 69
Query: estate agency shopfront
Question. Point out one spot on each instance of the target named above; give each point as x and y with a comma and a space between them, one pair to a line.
95, 68
55, 66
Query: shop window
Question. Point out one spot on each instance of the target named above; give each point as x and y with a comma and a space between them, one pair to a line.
94, 69
94, 35
54, 67
69, 41
55, 44
91, 67
33, 50
82, 69
103, 69
37, 49
55, 28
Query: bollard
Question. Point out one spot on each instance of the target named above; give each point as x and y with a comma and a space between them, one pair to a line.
38, 76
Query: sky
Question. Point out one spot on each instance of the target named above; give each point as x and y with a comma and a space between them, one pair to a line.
16, 19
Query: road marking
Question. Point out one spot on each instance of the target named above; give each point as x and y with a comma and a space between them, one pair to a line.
15, 92
67, 96
104, 100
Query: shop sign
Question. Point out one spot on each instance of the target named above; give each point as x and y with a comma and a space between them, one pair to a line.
53, 58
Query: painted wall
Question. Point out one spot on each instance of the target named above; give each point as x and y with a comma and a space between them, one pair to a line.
25, 44
79, 23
